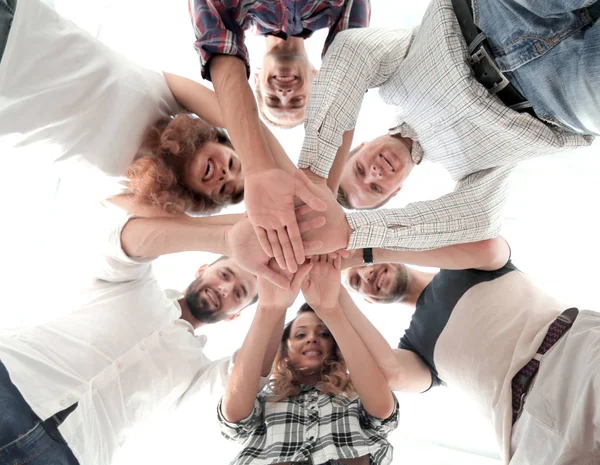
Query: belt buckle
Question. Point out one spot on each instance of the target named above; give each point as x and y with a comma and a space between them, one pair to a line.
481, 54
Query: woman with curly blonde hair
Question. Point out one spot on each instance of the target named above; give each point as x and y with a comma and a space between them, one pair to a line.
327, 401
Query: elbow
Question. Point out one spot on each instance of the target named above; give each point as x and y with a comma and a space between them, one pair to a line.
383, 409
493, 253
232, 413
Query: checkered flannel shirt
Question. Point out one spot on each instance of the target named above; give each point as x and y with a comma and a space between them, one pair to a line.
452, 119
311, 427
219, 25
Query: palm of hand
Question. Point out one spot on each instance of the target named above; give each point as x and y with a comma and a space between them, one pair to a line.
245, 248
269, 198
322, 287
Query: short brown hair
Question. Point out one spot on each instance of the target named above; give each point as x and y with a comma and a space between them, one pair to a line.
156, 175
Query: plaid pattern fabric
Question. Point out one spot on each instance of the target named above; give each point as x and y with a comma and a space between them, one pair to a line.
522, 380
311, 427
452, 119
219, 25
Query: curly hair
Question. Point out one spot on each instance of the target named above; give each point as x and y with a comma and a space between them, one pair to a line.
286, 381
156, 174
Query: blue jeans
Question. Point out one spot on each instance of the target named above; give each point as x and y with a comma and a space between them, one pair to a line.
550, 50
24, 438
7, 13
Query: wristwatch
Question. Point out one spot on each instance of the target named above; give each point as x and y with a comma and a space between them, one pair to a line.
368, 256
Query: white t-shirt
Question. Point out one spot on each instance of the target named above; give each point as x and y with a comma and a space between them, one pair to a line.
65, 96
123, 353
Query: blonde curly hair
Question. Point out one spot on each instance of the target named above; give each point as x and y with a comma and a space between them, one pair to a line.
285, 381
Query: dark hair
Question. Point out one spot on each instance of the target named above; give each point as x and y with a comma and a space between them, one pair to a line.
156, 175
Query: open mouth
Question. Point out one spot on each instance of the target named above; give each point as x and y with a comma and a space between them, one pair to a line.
387, 164
213, 298
210, 170
380, 278
312, 353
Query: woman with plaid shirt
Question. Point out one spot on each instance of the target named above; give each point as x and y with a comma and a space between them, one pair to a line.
327, 401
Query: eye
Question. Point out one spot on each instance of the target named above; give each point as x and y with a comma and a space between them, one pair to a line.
224, 276
360, 169
231, 163
299, 336
325, 334
297, 100
376, 188
222, 190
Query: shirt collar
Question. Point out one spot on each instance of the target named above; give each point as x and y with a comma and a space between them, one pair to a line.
406, 131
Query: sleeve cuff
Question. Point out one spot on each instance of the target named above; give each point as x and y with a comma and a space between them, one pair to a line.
115, 247
317, 155
220, 42
369, 229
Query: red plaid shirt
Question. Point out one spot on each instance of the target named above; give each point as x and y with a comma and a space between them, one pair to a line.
219, 25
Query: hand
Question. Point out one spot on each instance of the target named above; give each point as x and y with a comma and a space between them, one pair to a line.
274, 297
322, 286
249, 255
269, 197
335, 234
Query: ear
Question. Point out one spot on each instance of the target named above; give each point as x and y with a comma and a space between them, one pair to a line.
201, 271
233, 317
396, 191
256, 76
314, 72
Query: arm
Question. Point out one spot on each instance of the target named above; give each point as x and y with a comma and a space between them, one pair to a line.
258, 349
472, 212
357, 60
403, 370
490, 254
321, 291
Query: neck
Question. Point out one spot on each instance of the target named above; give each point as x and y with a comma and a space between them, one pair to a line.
291, 46
311, 379
187, 315
417, 282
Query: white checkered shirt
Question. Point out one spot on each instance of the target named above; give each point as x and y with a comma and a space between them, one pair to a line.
310, 427
452, 119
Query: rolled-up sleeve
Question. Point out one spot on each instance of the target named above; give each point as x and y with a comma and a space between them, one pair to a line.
357, 60
217, 32
472, 212
381, 427
241, 430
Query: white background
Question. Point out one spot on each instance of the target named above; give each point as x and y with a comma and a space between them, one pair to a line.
550, 222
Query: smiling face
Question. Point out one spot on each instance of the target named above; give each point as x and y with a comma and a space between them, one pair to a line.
310, 344
214, 171
384, 283
222, 289
283, 85
376, 172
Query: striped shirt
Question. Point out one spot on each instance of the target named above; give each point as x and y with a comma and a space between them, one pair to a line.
312, 427
219, 25
452, 119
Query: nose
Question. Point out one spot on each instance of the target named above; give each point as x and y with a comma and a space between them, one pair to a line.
366, 273
374, 174
284, 95
224, 173
225, 288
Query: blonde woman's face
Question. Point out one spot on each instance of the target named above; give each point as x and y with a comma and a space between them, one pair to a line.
310, 343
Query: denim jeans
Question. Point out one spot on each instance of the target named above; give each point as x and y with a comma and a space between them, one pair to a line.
7, 13
550, 50
24, 438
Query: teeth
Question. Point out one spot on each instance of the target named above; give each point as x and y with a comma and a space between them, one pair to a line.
312, 352
380, 281
209, 170
285, 78
391, 167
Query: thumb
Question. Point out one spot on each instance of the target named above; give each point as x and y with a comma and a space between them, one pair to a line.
301, 275
277, 279
308, 192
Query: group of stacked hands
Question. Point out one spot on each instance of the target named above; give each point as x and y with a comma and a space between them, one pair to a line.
478, 87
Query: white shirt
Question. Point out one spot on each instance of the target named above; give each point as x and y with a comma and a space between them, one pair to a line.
65, 96
452, 119
123, 354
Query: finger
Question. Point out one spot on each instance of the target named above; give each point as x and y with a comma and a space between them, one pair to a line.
333, 255
308, 192
263, 240
301, 275
277, 252
303, 210
337, 263
288, 253
315, 223
293, 233
312, 247
278, 279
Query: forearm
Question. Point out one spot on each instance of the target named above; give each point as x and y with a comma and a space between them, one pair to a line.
273, 346
240, 113
473, 212
367, 378
244, 382
152, 237
341, 156
489, 254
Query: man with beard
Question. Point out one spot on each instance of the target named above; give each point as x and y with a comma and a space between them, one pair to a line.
73, 389
530, 363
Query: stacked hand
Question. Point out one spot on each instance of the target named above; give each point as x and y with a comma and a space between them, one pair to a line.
322, 285
274, 297
269, 197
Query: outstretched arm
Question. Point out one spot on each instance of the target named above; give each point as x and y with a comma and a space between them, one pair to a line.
490, 254
404, 371
321, 290
257, 350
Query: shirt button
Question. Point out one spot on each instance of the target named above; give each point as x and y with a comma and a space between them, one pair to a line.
311, 438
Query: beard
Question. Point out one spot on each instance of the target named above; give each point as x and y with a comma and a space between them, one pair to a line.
399, 286
200, 308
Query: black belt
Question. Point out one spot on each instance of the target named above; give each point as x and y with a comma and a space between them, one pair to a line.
522, 380
481, 60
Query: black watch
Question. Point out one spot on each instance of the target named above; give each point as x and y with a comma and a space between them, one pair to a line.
368, 256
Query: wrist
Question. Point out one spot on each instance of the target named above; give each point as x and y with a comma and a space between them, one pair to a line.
314, 178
